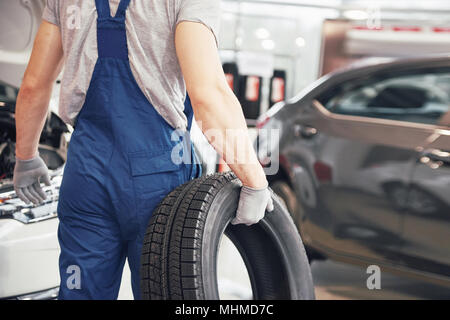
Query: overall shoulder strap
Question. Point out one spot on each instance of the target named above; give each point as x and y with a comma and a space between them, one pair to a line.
122, 8
111, 31
104, 11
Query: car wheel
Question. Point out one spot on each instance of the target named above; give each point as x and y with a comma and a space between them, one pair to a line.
180, 252
287, 196
289, 200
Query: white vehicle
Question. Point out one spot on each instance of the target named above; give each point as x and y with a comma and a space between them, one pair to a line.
28, 234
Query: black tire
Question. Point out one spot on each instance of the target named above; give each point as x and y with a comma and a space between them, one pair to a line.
181, 245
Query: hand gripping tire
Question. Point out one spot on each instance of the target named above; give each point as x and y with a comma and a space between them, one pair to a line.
180, 248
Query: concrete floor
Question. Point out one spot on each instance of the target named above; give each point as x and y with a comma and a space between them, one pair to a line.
333, 281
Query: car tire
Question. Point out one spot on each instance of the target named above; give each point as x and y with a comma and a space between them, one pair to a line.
287, 195
289, 200
180, 249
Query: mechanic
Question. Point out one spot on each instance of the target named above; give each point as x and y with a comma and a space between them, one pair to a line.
126, 71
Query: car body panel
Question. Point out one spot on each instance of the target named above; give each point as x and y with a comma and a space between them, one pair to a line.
426, 229
352, 208
28, 256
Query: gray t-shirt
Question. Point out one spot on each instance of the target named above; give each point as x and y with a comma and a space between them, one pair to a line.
150, 28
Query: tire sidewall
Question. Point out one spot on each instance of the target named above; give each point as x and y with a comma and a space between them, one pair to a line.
279, 226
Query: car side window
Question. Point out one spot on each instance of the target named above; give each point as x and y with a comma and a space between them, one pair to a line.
421, 97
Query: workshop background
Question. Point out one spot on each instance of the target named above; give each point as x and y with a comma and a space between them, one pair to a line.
365, 171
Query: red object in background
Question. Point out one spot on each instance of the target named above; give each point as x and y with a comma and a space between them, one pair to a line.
406, 28
261, 122
2, 200
323, 171
368, 28
249, 95
278, 89
232, 75
394, 28
252, 88
230, 80
441, 29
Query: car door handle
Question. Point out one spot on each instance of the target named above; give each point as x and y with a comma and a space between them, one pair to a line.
304, 131
436, 158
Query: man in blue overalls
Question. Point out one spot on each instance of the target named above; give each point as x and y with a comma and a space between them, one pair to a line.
119, 164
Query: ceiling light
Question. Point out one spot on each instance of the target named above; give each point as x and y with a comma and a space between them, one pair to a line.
268, 44
300, 42
262, 33
356, 15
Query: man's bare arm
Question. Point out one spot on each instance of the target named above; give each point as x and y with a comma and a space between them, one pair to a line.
214, 103
34, 95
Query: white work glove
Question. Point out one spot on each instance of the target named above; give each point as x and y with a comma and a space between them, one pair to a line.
28, 175
253, 204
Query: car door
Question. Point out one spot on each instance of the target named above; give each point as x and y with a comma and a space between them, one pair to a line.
371, 130
426, 230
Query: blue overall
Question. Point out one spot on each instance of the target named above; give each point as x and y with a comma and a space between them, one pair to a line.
119, 168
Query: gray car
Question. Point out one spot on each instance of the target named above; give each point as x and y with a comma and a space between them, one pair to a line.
364, 165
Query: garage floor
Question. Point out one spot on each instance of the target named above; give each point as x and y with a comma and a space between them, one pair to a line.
339, 281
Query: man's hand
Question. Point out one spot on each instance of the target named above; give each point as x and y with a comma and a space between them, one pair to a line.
28, 175
253, 204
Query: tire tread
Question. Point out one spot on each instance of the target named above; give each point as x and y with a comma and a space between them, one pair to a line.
178, 221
